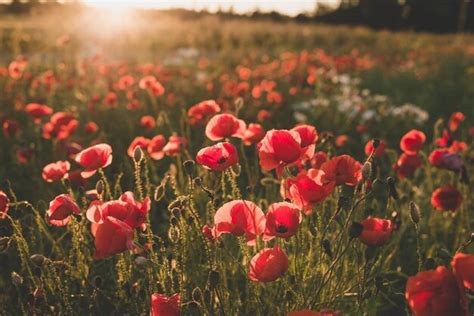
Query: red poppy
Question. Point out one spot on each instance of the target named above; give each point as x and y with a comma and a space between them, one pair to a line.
38, 111
446, 198
407, 165
457, 147
253, 134
222, 126
342, 170
199, 113
307, 189
16, 68
376, 231
60, 210
4, 203
125, 82
369, 147
56, 171
208, 233
139, 141
148, 122
147, 82
156, 146
162, 305
112, 236
218, 157
279, 148
454, 121
175, 145
463, 267
308, 134
93, 158
10, 128
60, 126
282, 220
442, 158
412, 141
435, 293
157, 89
238, 218
446, 140
341, 140
268, 265
91, 128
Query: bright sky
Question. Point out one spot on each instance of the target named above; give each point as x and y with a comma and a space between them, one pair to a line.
291, 7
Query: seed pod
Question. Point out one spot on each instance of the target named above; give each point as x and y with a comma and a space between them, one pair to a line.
189, 167
99, 186
392, 188
38, 259
217, 202
4, 243
197, 294
414, 213
367, 170
355, 230
198, 181
176, 212
213, 278
97, 281
16, 279
138, 154
159, 193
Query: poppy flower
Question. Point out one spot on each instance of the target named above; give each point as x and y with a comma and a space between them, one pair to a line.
279, 148
463, 267
17, 67
307, 189
442, 158
282, 220
412, 141
156, 146
376, 231
175, 145
342, 170
208, 233
38, 111
139, 141
91, 128
162, 305
60, 126
222, 126
268, 265
341, 140
60, 210
369, 147
407, 165
4, 203
147, 82
93, 158
239, 218
253, 134
112, 236
446, 140
148, 122
308, 134
125, 82
199, 113
218, 157
454, 121
446, 198
10, 128
56, 171
435, 293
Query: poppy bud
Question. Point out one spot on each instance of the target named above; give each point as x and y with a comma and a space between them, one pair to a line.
327, 247
97, 281
217, 201
176, 212
38, 259
4, 243
173, 233
189, 167
193, 308
367, 170
137, 154
213, 278
239, 103
100, 187
174, 221
141, 262
197, 294
392, 188
159, 193
355, 230
175, 204
414, 213
198, 181
16, 279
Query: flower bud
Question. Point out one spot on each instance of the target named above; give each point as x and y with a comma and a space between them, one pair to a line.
189, 167
414, 213
97, 281
159, 193
16, 279
213, 278
367, 170
138, 154
100, 187
38, 259
392, 189
197, 294
198, 181
355, 230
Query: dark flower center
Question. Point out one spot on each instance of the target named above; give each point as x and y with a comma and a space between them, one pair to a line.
221, 160
281, 229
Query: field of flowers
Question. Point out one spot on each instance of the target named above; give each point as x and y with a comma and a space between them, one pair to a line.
210, 167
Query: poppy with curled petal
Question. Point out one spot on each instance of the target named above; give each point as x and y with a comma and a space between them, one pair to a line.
218, 157
308, 134
463, 267
93, 158
222, 126
253, 134
278, 149
306, 189
412, 142
4, 203
435, 293
342, 170
139, 141
282, 220
446, 198
156, 146
376, 231
162, 305
268, 265
56, 171
60, 210
239, 218
199, 113
112, 236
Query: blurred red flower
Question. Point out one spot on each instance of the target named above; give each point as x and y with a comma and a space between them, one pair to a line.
369, 147
342, 170
218, 157
222, 126
175, 145
454, 121
253, 134
148, 122
139, 141
56, 171
446, 198
407, 165
156, 146
4, 203
268, 265
463, 267
376, 231
38, 111
199, 113
412, 141
60, 210
162, 305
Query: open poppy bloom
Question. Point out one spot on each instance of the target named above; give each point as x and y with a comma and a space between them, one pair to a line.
446, 198
268, 265
309, 137
156, 146
412, 141
463, 267
444, 159
342, 170
148, 122
222, 126
282, 220
407, 165
162, 305
253, 134
239, 218
4, 203
218, 157
112, 236
278, 149
93, 158
56, 171
435, 293
307, 189
199, 113
60, 210
376, 231
38, 111
60, 126
175, 145
139, 141
369, 147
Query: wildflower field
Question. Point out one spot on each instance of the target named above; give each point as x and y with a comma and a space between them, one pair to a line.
175, 166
